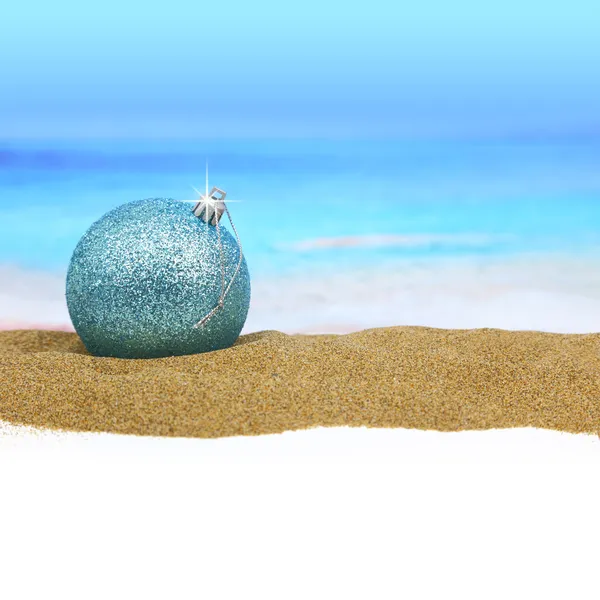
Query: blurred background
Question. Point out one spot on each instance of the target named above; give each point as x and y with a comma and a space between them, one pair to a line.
432, 163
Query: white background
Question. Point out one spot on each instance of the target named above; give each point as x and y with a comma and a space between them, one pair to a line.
336, 513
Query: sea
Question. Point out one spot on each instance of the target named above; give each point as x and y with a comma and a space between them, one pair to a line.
339, 235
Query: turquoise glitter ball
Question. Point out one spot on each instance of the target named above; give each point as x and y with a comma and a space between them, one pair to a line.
145, 273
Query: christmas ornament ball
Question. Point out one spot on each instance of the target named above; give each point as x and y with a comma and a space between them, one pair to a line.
145, 273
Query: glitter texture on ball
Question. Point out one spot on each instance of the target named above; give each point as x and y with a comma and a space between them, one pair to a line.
145, 273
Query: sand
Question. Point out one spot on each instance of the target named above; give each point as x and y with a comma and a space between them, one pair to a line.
269, 382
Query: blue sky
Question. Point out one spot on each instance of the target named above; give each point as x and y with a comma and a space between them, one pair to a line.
311, 68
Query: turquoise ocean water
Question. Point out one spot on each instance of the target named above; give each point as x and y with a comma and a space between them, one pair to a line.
315, 208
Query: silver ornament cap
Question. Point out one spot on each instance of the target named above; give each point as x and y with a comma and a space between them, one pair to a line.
211, 208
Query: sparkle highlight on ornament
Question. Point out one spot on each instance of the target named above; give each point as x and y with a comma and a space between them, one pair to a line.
207, 198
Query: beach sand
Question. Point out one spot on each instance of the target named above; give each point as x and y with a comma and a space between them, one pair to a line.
269, 382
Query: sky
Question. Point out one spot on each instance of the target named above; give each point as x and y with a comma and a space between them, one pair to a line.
184, 68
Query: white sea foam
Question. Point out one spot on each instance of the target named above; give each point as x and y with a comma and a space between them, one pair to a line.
32, 298
545, 293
